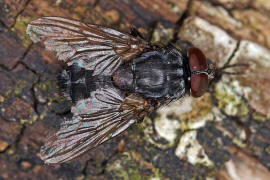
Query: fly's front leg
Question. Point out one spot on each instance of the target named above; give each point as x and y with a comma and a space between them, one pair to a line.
134, 32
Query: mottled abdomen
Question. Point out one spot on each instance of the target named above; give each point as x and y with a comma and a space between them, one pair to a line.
77, 83
155, 74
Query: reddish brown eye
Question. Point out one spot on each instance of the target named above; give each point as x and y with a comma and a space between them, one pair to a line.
199, 84
197, 60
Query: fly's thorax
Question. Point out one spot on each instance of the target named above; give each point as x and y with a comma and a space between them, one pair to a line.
123, 77
155, 74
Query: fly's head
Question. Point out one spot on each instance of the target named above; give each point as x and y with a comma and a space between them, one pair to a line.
200, 72
203, 73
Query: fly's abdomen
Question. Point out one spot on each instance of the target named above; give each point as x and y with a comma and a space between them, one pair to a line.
73, 83
77, 83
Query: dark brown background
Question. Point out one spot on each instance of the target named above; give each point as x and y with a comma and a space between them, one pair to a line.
226, 30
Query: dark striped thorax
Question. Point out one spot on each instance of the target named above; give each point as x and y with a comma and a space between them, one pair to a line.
158, 74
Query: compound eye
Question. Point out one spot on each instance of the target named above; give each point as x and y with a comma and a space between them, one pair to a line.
197, 60
199, 84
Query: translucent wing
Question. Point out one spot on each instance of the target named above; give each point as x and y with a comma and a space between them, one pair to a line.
97, 119
93, 47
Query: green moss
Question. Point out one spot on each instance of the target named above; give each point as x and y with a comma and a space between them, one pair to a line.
161, 34
20, 29
268, 149
212, 172
229, 100
131, 165
134, 174
141, 126
31, 119
239, 142
17, 89
47, 85
20, 85
51, 90
259, 117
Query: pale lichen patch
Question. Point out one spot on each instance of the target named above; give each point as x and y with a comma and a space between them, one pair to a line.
200, 122
167, 128
162, 34
240, 140
167, 123
190, 148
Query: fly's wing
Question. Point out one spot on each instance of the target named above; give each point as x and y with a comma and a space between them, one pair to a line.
97, 119
93, 47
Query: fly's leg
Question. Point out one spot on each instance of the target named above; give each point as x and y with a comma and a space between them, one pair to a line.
140, 106
134, 32
140, 120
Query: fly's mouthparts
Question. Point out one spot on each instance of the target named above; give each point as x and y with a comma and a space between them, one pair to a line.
209, 71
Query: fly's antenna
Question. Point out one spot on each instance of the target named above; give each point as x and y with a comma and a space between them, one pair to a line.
224, 68
216, 73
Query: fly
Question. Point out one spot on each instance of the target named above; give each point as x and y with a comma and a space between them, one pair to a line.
113, 79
